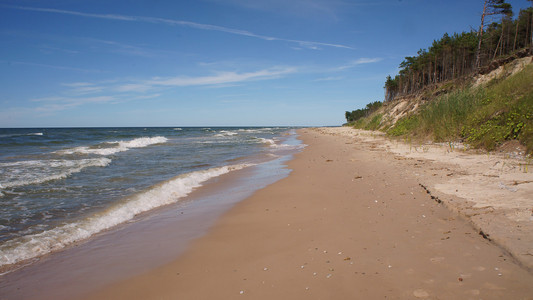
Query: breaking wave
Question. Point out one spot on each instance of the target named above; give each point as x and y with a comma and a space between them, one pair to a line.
109, 148
21, 173
31, 246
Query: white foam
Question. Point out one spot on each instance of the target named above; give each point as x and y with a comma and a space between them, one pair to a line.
28, 172
110, 148
224, 133
35, 245
251, 130
274, 145
270, 142
289, 146
258, 130
21, 134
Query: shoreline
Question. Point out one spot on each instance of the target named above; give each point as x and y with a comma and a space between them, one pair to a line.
349, 221
151, 239
82, 182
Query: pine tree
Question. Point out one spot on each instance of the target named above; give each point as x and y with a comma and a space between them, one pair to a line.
462, 54
506, 11
531, 44
490, 7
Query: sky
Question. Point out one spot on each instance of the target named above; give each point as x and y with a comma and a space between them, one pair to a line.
93, 63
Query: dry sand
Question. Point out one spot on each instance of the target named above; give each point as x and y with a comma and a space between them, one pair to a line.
493, 190
351, 222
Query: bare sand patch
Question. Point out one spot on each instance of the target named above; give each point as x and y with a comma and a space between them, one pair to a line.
494, 190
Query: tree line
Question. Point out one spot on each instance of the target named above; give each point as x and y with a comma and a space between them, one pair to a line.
363, 112
462, 54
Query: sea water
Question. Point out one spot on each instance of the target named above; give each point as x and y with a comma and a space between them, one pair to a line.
59, 186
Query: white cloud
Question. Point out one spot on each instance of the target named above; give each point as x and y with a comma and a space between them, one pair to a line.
49, 108
78, 84
133, 87
87, 90
329, 79
222, 78
48, 99
69, 12
50, 49
142, 97
82, 88
365, 60
307, 44
82, 93
323, 9
97, 99
357, 62
53, 104
24, 63
121, 47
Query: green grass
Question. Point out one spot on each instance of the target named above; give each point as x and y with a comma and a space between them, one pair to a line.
371, 122
404, 126
504, 113
443, 119
482, 117
374, 122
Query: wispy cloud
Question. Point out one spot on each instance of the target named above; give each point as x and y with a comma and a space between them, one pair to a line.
78, 84
123, 90
357, 62
365, 60
49, 49
222, 78
133, 87
82, 88
78, 100
219, 79
331, 78
302, 43
143, 97
53, 104
315, 9
25, 63
121, 47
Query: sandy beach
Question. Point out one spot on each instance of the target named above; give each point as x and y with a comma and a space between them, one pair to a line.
354, 220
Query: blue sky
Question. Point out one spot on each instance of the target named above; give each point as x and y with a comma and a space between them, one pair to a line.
209, 62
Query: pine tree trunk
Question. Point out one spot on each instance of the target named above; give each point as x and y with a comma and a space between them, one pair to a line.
497, 46
435, 72
463, 65
527, 30
531, 29
480, 34
516, 34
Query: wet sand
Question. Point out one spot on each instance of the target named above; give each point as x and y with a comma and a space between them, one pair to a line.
150, 240
350, 222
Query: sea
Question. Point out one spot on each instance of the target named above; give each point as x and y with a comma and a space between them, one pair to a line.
62, 186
